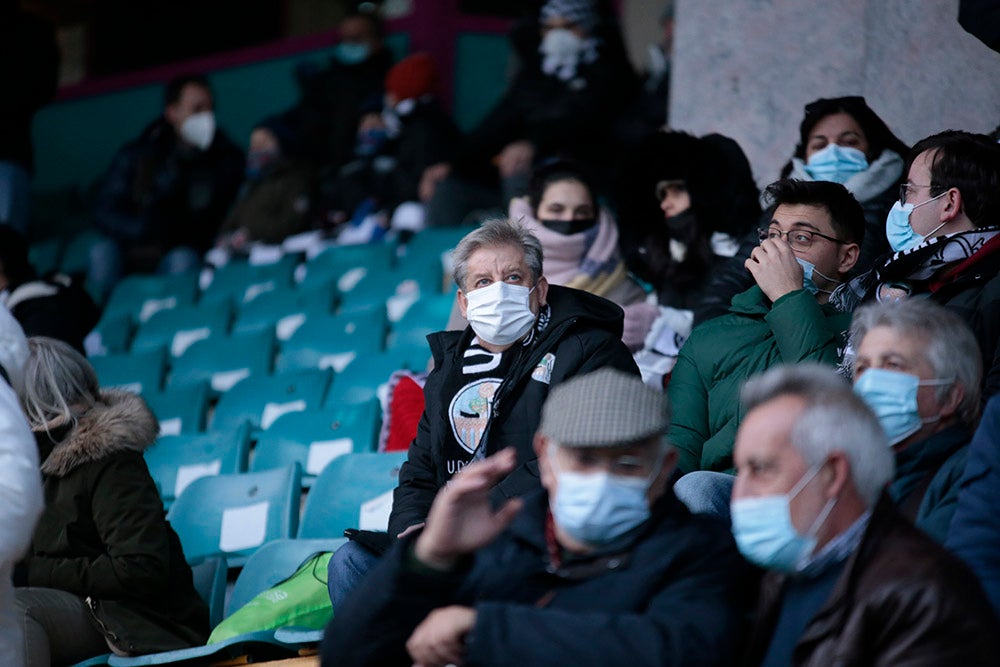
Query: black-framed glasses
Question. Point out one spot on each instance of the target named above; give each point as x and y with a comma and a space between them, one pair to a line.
799, 239
904, 189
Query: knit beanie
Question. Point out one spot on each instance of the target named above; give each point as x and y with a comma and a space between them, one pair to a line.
580, 12
412, 77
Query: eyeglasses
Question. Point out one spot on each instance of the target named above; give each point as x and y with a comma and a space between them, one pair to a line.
905, 188
799, 239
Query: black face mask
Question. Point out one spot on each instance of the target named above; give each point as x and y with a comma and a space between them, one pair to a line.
682, 224
569, 227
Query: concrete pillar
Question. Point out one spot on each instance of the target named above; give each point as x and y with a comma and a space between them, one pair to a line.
746, 68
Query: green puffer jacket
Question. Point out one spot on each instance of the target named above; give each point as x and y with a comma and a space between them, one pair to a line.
724, 352
103, 535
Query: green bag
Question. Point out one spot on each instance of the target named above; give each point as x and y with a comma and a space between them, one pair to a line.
302, 600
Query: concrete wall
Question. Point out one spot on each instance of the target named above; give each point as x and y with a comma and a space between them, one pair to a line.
746, 68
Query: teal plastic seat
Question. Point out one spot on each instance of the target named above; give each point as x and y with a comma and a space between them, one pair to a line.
232, 515
45, 254
286, 310
138, 373
242, 282
76, 254
313, 439
210, 580
176, 461
426, 316
141, 296
111, 335
353, 491
180, 411
178, 328
259, 400
348, 265
333, 341
271, 564
223, 361
361, 382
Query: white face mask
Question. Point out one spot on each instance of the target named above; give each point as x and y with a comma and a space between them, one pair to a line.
561, 49
198, 129
500, 313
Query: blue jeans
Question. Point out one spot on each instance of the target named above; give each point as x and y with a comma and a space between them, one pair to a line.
348, 566
15, 196
706, 492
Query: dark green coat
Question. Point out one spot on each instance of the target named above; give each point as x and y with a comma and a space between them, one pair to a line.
103, 535
724, 352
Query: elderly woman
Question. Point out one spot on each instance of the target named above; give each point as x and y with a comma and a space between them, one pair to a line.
917, 365
104, 570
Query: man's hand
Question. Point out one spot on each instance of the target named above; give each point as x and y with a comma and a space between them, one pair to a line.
462, 519
432, 175
440, 639
773, 266
411, 529
515, 158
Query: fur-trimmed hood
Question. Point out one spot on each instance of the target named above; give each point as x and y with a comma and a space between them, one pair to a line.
119, 422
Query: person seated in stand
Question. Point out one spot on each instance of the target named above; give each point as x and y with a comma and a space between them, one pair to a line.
489, 380
917, 367
56, 305
810, 245
849, 580
166, 193
573, 81
20, 485
945, 236
842, 140
276, 199
104, 570
704, 201
580, 241
601, 566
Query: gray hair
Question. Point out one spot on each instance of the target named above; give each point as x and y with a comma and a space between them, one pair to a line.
835, 419
57, 380
497, 232
949, 345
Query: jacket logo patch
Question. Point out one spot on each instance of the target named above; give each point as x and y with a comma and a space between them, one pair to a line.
470, 410
543, 371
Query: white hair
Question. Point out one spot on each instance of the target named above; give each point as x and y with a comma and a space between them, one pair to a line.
58, 379
835, 420
949, 345
493, 233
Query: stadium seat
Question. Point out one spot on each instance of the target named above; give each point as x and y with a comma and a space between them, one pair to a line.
260, 400
175, 461
210, 582
353, 491
111, 335
313, 439
286, 310
138, 373
427, 315
362, 382
347, 265
269, 565
223, 361
232, 515
242, 282
333, 341
140, 296
178, 328
180, 410
45, 254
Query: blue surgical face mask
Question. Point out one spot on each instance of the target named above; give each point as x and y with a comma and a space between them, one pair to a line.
808, 269
892, 396
764, 531
351, 53
598, 508
836, 163
370, 141
898, 229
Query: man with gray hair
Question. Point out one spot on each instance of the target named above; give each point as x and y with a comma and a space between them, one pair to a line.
850, 581
490, 380
603, 566
917, 365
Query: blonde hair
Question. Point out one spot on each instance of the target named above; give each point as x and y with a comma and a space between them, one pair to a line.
58, 382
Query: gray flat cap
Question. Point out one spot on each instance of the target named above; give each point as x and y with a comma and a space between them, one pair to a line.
605, 408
